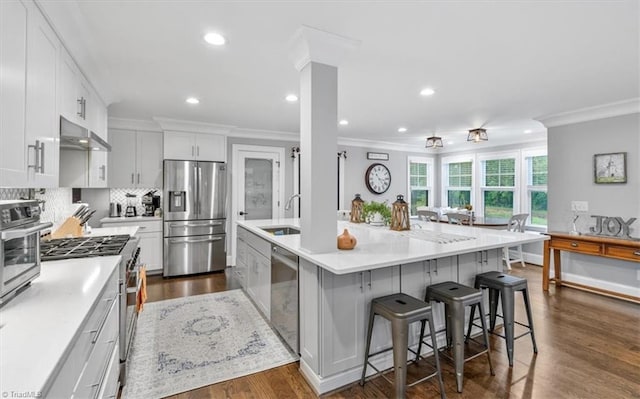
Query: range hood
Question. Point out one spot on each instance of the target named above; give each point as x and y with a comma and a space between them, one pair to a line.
76, 137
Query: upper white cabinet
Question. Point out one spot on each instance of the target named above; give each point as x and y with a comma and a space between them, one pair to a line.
28, 129
135, 159
195, 146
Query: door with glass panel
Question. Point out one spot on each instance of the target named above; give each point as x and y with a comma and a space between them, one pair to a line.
258, 184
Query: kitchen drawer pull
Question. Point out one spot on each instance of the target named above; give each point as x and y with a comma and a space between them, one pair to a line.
574, 244
637, 253
103, 322
187, 241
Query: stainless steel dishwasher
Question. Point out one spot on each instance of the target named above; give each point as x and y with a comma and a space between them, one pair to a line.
284, 295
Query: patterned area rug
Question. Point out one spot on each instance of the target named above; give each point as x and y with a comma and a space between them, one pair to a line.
186, 343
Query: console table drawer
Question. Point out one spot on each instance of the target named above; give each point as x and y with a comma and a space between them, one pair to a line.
623, 252
576, 246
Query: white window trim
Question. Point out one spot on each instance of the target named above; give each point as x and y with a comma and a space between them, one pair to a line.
481, 188
526, 188
445, 177
430, 177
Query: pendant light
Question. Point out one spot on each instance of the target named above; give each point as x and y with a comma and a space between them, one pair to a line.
434, 142
477, 135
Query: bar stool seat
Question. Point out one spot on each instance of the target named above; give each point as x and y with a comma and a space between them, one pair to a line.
503, 286
401, 310
455, 298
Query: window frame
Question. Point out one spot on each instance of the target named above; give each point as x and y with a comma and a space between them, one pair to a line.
482, 187
430, 179
527, 188
445, 177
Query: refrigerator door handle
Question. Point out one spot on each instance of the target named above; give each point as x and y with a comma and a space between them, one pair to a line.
197, 191
199, 187
206, 224
188, 241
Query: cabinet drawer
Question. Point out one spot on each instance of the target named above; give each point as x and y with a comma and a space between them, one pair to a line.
144, 226
111, 380
259, 244
95, 368
632, 254
71, 368
576, 246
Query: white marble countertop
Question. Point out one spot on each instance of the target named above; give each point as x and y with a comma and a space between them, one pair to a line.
379, 247
38, 325
112, 231
131, 219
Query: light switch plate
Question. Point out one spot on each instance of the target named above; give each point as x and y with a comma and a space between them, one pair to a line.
579, 206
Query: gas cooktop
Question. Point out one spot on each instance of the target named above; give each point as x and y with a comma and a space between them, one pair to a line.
82, 247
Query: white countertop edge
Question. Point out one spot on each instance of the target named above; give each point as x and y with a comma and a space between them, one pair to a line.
328, 260
133, 219
113, 231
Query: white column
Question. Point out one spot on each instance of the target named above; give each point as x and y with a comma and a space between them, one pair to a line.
318, 146
316, 55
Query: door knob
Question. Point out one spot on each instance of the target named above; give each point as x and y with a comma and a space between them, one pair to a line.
243, 213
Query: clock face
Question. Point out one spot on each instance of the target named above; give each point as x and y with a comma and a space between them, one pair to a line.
377, 178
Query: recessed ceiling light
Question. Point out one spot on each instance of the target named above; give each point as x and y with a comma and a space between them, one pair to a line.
343, 122
427, 91
450, 142
402, 129
292, 98
528, 131
192, 100
215, 39
96, 148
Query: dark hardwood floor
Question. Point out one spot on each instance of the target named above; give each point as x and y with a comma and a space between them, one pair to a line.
589, 347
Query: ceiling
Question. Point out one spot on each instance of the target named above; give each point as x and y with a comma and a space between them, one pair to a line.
496, 65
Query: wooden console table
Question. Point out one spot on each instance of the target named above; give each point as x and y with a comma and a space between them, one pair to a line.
606, 247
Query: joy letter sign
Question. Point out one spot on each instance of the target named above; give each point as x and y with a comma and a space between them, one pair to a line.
612, 226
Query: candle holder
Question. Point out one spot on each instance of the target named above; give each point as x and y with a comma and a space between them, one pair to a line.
357, 216
400, 215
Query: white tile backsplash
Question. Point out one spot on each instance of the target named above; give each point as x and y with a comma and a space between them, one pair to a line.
118, 195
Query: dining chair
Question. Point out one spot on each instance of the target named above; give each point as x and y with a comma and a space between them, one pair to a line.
458, 218
517, 224
428, 216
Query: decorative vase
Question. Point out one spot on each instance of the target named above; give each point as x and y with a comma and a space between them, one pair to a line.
346, 240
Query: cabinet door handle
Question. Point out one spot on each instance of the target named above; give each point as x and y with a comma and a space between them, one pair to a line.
41, 157
436, 262
84, 108
193, 150
103, 170
370, 281
138, 178
198, 151
36, 153
79, 112
132, 179
361, 281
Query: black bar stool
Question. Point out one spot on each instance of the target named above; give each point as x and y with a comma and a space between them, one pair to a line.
504, 286
455, 298
401, 310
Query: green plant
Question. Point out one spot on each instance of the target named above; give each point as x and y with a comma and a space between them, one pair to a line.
369, 208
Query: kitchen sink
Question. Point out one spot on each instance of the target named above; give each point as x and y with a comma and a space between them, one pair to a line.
281, 231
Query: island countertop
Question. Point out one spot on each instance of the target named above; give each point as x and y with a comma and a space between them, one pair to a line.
38, 325
380, 247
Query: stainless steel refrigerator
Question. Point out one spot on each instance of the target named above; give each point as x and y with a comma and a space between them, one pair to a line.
194, 217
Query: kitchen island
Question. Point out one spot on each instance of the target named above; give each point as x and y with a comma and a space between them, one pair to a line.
336, 288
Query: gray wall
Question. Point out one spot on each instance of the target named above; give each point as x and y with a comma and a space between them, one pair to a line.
571, 149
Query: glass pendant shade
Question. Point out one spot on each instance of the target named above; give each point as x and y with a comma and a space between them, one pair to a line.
434, 142
477, 135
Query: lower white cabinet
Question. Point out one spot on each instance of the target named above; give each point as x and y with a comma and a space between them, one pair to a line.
150, 240
259, 280
240, 268
345, 311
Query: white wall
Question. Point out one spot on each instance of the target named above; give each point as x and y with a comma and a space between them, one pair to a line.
571, 149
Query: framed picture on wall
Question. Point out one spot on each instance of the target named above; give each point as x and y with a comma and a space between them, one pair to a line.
610, 168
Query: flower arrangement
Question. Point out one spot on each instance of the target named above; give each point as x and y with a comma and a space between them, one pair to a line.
369, 209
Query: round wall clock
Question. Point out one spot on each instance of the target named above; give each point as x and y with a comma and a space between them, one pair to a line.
377, 178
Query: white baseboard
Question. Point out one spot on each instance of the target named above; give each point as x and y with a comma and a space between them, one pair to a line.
535, 259
605, 285
230, 261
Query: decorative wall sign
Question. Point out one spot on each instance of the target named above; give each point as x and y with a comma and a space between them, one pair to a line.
381, 156
612, 227
610, 168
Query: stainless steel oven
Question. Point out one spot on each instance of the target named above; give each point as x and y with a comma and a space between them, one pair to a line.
20, 230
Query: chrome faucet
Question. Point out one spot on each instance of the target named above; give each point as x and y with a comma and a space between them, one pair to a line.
287, 206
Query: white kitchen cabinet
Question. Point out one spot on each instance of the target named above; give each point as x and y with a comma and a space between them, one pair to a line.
150, 239
195, 146
135, 160
471, 264
28, 121
345, 311
240, 268
259, 280
98, 175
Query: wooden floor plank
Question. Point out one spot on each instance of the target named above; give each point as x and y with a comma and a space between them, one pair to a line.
589, 347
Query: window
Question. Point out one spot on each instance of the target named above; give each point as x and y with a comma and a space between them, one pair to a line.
498, 187
459, 180
537, 189
420, 182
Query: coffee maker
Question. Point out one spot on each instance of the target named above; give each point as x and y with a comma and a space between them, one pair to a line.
151, 202
130, 211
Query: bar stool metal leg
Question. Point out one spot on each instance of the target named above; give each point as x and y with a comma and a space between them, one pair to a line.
432, 331
485, 333
494, 296
372, 316
525, 296
507, 316
457, 325
399, 330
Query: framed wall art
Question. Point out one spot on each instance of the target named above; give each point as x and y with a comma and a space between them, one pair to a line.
610, 168
380, 156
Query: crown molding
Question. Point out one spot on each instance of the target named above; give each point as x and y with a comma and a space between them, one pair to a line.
180, 125
378, 145
264, 134
310, 44
610, 110
133, 124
